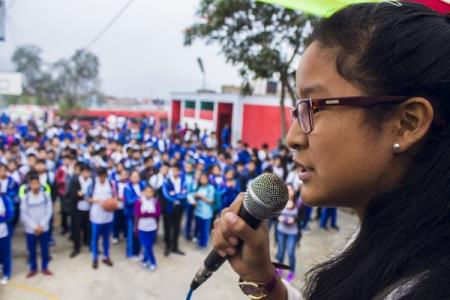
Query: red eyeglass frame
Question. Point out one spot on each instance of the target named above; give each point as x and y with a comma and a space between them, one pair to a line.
360, 101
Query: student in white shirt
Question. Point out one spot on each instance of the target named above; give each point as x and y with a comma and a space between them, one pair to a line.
101, 220
36, 212
147, 210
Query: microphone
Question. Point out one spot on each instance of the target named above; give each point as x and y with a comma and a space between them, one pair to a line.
265, 197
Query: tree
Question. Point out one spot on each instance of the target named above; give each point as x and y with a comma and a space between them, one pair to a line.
68, 81
28, 61
262, 39
77, 77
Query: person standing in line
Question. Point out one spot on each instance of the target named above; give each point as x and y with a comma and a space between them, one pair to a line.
189, 176
288, 233
79, 189
175, 193
62, 176
204, 210
329, 213
156, 182
120, 224
36, 212
6, 215
230, 189
73, 187
132, 193
101, 190
147, 211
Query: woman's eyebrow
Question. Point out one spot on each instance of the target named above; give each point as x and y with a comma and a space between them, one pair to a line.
312, 89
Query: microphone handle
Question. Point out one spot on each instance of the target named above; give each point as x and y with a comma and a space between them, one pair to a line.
213, 261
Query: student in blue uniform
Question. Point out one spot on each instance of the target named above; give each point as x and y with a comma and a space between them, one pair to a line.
147, 210
132, 193
120, 224
174, 199
6, 214
9, 189
189, 179
204, 207
329, 213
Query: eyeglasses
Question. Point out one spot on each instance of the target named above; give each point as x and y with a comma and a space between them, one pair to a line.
305, 108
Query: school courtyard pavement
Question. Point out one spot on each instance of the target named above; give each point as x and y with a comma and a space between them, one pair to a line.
75, 279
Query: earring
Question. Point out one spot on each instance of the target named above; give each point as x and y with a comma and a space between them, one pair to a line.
396, 148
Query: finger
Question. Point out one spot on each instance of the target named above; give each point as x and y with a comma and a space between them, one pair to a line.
236, 226
224, 211
237, 203
226, 232
220, 242
216, 243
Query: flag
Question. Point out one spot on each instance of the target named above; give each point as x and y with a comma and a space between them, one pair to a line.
189, 109
207, 110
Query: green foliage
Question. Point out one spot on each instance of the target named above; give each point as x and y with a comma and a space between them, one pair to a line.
68, 82
262, 39
28, 61
77, 77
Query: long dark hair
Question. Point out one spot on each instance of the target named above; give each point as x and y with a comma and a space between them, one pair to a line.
395, 49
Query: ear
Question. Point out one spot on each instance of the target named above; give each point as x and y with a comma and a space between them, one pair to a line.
414, 120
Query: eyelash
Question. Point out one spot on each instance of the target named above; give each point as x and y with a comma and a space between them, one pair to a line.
317, 109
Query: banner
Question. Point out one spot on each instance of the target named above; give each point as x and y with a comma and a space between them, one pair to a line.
325, 8
316, 7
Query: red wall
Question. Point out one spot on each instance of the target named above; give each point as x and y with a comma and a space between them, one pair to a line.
176, 113
99, 113
262, 124
224, 116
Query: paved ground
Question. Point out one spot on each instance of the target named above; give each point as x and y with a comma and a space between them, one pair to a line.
75, 279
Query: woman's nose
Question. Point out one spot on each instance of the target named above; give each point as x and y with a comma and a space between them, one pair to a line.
296, 139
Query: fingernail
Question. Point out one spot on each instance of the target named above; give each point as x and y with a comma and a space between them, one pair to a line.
230, 251
221, 253
233, 241
231, 218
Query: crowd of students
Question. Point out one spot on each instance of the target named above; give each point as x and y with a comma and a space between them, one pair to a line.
126, 179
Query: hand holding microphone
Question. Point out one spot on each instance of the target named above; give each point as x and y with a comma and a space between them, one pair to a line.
253, 261
237, 234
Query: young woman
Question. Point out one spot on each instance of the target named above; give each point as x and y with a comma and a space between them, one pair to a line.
371, 133
288, 233
204, 196
147, 211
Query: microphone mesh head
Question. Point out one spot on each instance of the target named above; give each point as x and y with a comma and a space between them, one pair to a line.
266, 196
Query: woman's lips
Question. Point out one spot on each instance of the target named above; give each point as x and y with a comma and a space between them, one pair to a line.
304, 173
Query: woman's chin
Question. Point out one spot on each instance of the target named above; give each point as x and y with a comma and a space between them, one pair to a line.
310, 199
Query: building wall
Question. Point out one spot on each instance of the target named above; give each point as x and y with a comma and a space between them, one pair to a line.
262, 124
203, 124
255, 119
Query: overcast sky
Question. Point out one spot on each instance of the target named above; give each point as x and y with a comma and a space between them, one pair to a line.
141, 55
